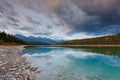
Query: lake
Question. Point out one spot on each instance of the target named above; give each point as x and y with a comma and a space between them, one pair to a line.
63, 63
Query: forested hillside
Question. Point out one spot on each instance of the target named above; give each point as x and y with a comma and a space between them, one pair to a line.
9, 39
105, 40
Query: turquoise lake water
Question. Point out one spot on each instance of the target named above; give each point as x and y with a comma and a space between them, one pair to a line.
61, 63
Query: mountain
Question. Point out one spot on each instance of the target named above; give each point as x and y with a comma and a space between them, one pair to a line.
36, 43
104, 40
9, 39
37, 39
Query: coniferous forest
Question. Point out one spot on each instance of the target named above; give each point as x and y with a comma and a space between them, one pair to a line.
9, 39
105, 40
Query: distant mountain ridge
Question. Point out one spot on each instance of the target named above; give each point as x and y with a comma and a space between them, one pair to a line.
37, 39
104, 40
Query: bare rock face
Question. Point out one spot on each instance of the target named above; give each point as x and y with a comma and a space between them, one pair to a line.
13, 66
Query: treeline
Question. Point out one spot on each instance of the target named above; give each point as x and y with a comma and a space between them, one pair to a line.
105, 40
9, 39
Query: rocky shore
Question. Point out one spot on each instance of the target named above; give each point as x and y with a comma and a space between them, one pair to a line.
15, 67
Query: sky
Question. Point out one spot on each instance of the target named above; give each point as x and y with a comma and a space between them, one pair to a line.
60, 19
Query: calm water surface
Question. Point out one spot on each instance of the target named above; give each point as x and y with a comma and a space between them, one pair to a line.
61, 63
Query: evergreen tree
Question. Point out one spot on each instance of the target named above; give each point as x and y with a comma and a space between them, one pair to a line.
7, 38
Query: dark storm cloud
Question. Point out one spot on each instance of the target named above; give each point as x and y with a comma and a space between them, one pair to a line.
98, 7
103, 26
107, 13
68, 19
91, 16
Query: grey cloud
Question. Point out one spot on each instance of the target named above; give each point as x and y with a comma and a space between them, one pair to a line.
29, 19
7, 8
49, 27
3, 26
2, 9
47, 34
11, 18
91, 16
13, 24
36, 6
98, 6
74, 16
27, 28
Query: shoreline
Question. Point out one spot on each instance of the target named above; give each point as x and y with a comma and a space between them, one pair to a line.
13, 66
86, 45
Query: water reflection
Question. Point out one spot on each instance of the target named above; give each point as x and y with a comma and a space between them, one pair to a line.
62, 63
114, 51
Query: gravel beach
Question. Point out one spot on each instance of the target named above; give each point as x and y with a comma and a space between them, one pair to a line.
15, 67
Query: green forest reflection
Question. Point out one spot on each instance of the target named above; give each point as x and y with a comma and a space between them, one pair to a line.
114, 51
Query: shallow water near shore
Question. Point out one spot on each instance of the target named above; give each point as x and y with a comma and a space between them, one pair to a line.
62, 63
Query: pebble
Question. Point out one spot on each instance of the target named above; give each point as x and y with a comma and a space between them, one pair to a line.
14, 66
